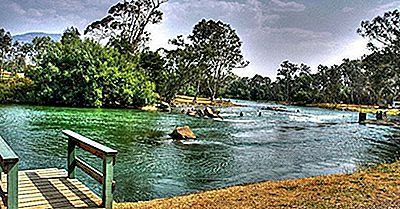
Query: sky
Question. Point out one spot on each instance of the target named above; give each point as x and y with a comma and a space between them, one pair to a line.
302, 31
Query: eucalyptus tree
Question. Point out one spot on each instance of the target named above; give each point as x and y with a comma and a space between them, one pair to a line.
285, 76
5, 47
5, 43
125, 25
40, 47
220, 52
354, 80
13, 55
18, 56
292, 78
334, 84
152, 63
260, 88
303, 85
383, 33
239, 88
183, 66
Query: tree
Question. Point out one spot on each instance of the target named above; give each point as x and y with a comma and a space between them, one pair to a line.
13, 55
77, 72
286, 74
183, 66
153, 65
383, 31
303, 85
260, 88
239, 88
41, 46
5, 47
5, 44
383, 65
220, 51
125, 24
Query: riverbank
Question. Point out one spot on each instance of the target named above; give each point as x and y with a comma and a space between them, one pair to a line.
356, 108
185, 101
375, 187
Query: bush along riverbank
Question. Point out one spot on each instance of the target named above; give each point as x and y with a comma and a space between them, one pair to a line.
374, 187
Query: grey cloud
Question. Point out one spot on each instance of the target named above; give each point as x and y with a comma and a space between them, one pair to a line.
50, 15
385, 7
347, 9
291, 6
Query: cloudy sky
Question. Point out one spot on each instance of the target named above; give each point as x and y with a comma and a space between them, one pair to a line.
309, 31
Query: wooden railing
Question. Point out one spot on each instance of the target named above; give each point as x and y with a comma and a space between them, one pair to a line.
106, 154
9, 165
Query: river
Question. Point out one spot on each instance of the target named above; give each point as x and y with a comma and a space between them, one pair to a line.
277, 145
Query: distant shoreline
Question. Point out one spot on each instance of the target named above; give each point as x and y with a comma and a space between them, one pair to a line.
356, 108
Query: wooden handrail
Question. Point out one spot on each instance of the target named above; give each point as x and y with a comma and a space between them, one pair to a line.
105, 153
89, 145
9, 164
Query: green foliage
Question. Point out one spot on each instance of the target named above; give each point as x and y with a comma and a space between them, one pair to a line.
125, 24
153, 66
5, 46
220, 50
13, 56
182, 68
16, 90
202, 63
84, 73
383, 31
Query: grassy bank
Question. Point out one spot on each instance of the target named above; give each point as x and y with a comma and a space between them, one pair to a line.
356, 108
377, 187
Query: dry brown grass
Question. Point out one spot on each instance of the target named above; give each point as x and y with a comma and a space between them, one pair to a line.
377, 187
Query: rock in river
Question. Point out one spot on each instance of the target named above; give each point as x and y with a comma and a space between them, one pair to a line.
181, 133
164, 107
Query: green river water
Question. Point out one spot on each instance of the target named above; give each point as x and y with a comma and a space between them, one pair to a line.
277, 145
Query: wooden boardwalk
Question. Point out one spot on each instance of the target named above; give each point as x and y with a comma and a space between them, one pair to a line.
50, 188
57, 188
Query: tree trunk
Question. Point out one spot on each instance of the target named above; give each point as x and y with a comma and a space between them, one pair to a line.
212, 93
197, 92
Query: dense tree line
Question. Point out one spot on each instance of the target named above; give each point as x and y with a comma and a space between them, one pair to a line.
112, 67
373, 79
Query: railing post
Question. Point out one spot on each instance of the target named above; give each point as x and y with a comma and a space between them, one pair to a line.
12, 186
108, 169
71, 158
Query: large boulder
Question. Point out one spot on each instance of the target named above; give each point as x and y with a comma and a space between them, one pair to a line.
182, 133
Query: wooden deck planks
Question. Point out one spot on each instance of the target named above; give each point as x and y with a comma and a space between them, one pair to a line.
50, 188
